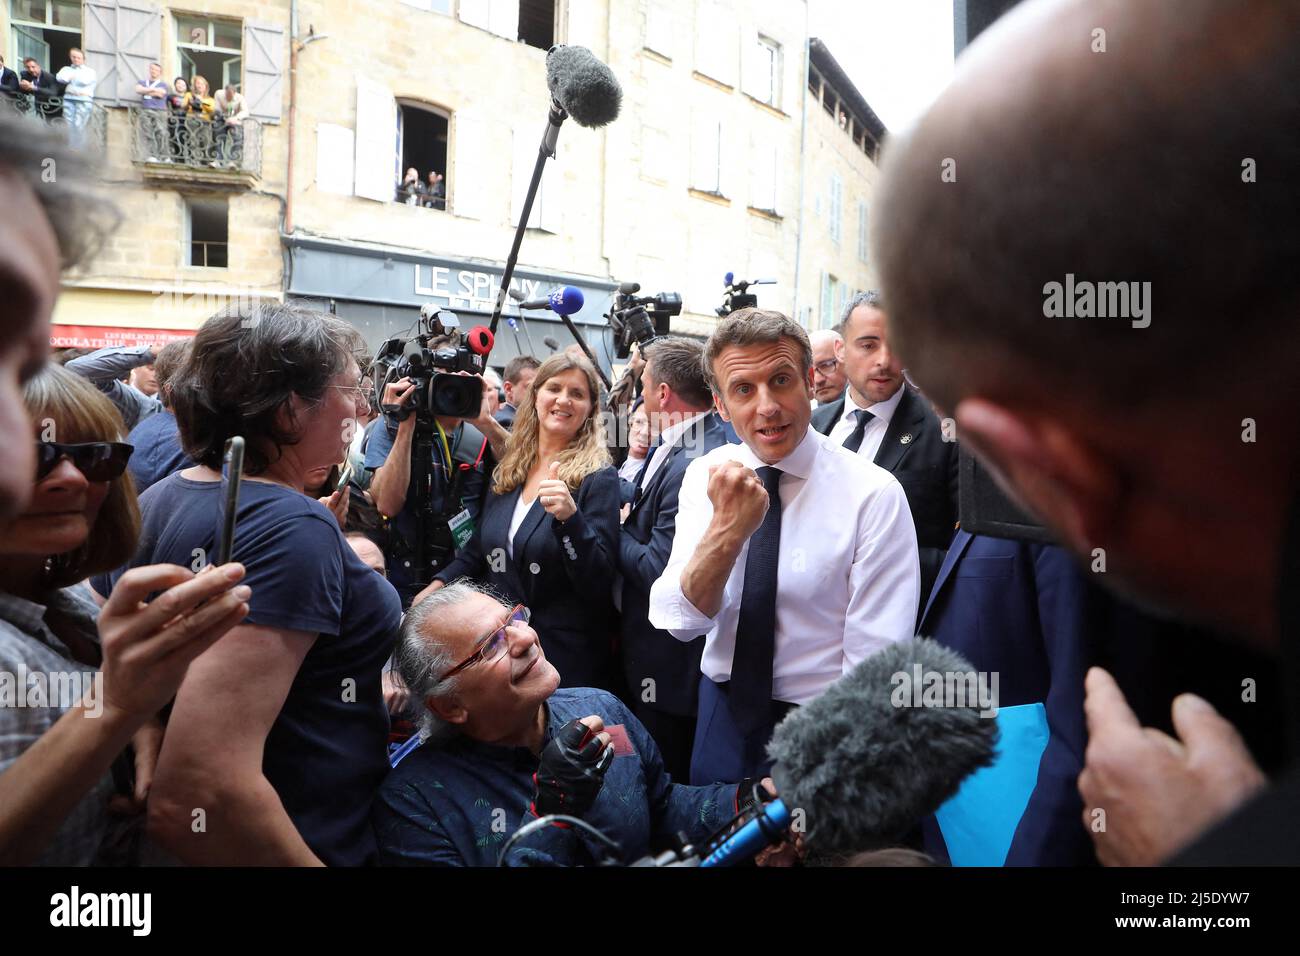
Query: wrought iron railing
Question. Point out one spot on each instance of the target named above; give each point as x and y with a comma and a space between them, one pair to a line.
85, 123
164, 138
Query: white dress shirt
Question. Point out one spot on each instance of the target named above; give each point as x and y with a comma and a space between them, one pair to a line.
516, 519
848, 579
667, 439
882, 413
630, 468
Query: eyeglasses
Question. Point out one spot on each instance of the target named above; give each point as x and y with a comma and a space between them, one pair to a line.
493, 647
97, 460
828, 366
360, 391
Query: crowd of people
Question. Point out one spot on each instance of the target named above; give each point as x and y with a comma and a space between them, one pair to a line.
423, 662
67, 93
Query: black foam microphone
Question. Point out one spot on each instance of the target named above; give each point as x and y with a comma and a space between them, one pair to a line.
865, 763
582, 86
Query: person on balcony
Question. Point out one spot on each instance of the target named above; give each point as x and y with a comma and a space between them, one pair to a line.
199, 105
78, 81
153, 115
8, 81
42, 87
232, 110
177, 108
436, 192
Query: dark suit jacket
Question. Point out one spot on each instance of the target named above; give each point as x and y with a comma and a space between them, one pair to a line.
1017, 609
506, 416
8, 81
46, 84
914, 451
1040, 620
563, 572
644, 547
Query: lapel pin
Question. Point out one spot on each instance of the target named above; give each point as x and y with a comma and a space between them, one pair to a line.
906, 439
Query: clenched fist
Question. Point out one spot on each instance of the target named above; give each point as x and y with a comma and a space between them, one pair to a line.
739, 499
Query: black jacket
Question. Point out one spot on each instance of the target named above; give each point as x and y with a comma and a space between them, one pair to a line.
644, 547
505, 416
914, 451
563, 572
46, 84
8, 81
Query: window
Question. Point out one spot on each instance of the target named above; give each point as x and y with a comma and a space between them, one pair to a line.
207, 226
762, 169
716, 42
659, 30
837, 207
706, 155
537, 23
212, 49
862, 232
422, 146
767, 72
435, 6
45, 30
831, 293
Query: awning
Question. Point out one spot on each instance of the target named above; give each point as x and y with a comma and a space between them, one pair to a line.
101, 336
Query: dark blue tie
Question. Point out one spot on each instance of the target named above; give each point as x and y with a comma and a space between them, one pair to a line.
854, 441
751, 663
645, 466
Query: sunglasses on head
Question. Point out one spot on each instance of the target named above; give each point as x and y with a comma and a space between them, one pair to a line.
97, 460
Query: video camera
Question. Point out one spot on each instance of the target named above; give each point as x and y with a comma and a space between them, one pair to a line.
641, 319
430, 359
737, 295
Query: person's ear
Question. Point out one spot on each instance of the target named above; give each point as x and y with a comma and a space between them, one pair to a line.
721, 407
447, 709
838, 346
1047, 467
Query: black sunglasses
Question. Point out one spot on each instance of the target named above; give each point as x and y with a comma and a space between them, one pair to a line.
97, 460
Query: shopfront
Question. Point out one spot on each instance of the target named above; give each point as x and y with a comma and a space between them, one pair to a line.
381, 292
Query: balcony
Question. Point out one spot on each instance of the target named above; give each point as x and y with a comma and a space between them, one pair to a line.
187, 149
84, 124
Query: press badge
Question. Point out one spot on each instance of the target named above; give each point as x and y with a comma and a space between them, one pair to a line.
462, 528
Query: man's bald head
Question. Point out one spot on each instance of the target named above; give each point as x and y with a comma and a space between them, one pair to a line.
1172, 158
828, 368
1122, 166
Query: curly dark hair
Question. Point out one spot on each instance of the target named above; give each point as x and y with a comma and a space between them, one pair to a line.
244, 365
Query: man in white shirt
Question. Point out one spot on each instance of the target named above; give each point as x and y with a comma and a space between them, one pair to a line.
796, 557
79, 87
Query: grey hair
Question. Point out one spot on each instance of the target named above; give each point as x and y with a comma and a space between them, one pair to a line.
750, 327
37, 154
870, 297
423, 656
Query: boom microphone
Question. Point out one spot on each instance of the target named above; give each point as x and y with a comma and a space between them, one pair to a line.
864, 763
564, 301
582, 86
551, 344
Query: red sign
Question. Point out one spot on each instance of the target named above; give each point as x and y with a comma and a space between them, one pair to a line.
101, 336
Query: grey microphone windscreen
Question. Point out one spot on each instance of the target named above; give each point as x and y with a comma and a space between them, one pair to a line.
551, 344
583, 86
865, 763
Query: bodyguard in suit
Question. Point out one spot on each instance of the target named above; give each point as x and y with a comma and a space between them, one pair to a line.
662, 673
519, 374
8, 80
880, 417
547, 536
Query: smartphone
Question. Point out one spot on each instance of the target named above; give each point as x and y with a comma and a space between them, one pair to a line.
232, 473
344, 477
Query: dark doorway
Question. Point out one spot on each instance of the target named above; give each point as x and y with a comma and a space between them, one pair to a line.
423, 135
537, 23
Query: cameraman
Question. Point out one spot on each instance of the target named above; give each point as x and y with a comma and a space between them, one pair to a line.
464, 454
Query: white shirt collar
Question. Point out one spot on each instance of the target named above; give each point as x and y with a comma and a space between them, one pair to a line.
798, 463
882, 410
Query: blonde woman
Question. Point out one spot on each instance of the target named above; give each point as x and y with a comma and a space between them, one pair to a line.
547, 536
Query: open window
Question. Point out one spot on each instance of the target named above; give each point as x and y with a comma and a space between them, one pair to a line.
422, 146
537, 23
207, 228
45, 30
210, 48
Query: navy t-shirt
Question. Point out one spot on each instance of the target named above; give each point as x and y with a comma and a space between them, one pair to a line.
326, 753
158, 452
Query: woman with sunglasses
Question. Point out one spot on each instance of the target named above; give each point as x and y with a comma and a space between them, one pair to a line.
82, 518
280, 732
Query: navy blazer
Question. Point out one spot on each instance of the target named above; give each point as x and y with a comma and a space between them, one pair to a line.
505, 416
913, 450
563, 571
1019, 609
8, 81
644, 547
